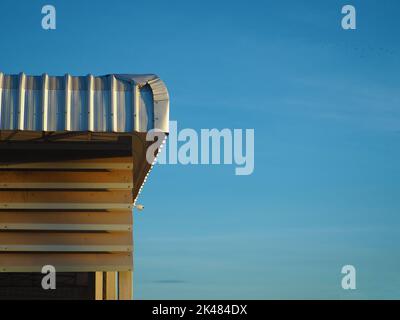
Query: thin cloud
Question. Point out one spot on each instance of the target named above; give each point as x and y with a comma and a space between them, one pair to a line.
170, 281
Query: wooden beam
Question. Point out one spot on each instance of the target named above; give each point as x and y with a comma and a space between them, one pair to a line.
67, 221
64, 206
99, 285
111, 285
66, 186
65, 241
22, 156
50, 196
67, 165
92, 145
125, 285
65, 262
77, 179
66, 227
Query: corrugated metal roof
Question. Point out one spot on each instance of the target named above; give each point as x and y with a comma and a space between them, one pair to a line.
110, 103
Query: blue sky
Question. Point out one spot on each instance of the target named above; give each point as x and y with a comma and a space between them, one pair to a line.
325, 106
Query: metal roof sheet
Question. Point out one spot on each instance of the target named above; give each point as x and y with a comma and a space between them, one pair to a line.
110, 103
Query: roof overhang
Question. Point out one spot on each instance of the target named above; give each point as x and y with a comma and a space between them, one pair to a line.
95, 110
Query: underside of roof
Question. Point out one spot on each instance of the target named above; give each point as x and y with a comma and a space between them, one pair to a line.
120, 103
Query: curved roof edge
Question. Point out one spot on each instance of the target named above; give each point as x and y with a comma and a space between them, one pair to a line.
160, 97
110, 103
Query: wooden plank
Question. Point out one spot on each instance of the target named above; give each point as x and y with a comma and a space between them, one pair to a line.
71, 221
111, 285
81, 156
68, 160
65, 262
65, 186
20, 178
99, 285
92, 145
125, 285
66, 241
68, 165
64, 206
50, 196
66, 227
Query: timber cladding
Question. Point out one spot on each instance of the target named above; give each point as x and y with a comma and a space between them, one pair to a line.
69, 206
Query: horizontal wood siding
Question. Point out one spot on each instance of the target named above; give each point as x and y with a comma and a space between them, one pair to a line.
65, 261
67, 205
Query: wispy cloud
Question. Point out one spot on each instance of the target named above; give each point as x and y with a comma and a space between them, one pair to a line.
169, 281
